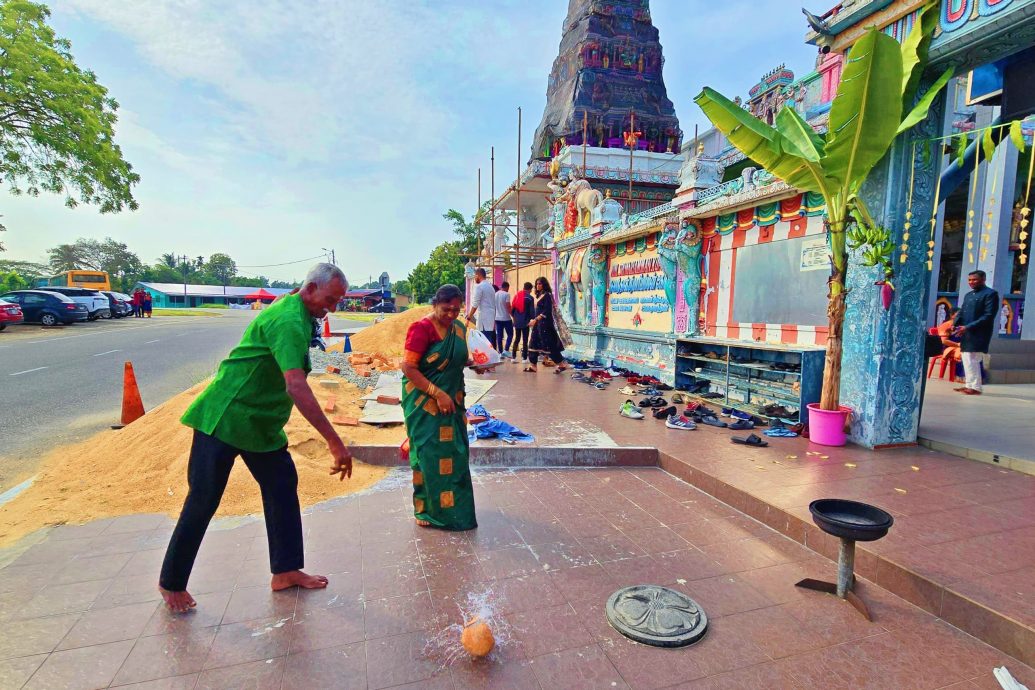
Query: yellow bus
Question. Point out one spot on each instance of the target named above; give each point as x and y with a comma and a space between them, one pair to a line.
95, 280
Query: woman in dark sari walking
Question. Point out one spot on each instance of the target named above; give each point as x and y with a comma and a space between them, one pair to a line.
433, 405
545, 339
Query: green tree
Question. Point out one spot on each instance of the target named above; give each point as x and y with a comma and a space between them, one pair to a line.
12, 281
402, 287
57, 124
161, 273
168, 259
30, 272
285, 285
471, 233
66, 257
222, 268
444, 265
114, 258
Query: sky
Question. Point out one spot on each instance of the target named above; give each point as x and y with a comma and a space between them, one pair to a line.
272, 129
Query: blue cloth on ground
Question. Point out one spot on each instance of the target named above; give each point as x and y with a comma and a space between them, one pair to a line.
497, 428
780, 433
477, 411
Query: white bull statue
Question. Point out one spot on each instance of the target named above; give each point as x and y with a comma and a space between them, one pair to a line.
588, 201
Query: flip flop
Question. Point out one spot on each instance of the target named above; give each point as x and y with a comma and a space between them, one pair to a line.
751, 440
530, 370
780, 433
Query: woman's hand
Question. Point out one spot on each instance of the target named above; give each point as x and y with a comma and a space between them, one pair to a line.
444, 402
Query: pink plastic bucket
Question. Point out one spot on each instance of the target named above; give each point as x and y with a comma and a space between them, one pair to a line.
827, 427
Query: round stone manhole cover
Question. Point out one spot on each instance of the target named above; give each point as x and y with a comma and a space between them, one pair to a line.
657, 616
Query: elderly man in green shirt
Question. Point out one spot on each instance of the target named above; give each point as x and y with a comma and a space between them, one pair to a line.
243, 413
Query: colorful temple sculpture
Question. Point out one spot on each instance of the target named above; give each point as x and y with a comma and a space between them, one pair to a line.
702, 268
606, 75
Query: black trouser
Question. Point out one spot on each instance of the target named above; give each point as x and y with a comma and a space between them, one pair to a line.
504, 328
555, 355
521, 337
491, 336
207, 473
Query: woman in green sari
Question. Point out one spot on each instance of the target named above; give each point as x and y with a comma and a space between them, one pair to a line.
433, 403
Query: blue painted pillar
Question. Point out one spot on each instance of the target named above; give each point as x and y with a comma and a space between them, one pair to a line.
883, 360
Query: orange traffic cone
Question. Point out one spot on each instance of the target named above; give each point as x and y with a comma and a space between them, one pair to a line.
132, 405
327, 327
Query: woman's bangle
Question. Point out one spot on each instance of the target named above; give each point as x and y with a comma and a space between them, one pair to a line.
432, 390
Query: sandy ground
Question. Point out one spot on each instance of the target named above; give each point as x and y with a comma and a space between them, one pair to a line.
143, 469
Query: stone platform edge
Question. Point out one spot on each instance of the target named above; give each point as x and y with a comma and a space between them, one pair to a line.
992, 627
985, 456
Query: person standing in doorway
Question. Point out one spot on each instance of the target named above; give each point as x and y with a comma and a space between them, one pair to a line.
504, 322
973, 326
522, 309
483, 305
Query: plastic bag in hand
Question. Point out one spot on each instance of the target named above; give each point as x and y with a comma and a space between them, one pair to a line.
482, 353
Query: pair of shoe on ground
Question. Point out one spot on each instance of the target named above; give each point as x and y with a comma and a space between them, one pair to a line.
673, 419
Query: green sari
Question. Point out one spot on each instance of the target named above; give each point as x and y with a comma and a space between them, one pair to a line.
439, 448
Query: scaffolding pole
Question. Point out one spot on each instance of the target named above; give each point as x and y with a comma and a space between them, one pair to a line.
492, 191
517, 231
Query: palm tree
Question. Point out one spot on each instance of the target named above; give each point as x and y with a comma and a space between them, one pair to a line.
168, 259
66, 257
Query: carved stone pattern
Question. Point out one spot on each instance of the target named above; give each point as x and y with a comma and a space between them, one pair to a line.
657, 616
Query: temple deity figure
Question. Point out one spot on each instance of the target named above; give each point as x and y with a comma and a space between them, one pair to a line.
596, 270
669, 256
688, 245
564, 287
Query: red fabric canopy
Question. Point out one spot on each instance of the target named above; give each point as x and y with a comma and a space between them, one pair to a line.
261, 294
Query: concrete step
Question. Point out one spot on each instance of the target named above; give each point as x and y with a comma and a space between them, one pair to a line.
1011, 375
1000, 360
1012, 346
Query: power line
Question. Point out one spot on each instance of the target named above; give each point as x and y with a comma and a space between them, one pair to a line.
288, 263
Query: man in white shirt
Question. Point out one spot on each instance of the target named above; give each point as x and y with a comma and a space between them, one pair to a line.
483, 305
504, 323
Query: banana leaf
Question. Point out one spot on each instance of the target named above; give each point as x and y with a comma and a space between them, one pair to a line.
800, 133
758, 141
1017, 136
867, 111
914, 52
988, 144
923, 106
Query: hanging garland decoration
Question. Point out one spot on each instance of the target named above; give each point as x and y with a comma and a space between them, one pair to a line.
934, 216
970, 208
986, 237
1026, 209
909, 212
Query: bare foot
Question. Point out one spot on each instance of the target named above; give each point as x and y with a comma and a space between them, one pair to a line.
296, 578
178, 602
423, 523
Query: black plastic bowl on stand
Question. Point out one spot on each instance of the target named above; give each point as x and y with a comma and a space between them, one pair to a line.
849, 521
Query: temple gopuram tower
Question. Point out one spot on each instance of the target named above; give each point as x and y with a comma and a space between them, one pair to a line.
609, 67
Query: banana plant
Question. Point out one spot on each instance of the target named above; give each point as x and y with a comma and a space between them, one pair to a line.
876, 102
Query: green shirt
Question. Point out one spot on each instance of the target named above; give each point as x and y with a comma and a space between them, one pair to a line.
247, 404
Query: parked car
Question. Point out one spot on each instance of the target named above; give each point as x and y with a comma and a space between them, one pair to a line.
120, 304
10, 314
384, 307
47, 308
96, 303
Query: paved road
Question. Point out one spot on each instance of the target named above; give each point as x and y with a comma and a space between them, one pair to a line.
62, 385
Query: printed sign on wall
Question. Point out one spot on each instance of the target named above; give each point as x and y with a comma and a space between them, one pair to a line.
636, 293
815, 255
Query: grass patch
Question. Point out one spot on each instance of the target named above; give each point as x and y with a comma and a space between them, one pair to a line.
213, 306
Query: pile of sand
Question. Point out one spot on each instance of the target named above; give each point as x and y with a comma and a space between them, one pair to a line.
389, 336
143, 468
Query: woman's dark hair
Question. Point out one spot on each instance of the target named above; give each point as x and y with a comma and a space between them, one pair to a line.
447, 293
546, 284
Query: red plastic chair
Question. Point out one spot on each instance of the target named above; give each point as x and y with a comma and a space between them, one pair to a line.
946, 362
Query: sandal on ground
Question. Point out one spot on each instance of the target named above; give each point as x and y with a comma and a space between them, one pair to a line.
751, 440
530, 370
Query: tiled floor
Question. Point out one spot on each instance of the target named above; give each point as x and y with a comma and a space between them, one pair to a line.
967, 526
80, 609
998, 421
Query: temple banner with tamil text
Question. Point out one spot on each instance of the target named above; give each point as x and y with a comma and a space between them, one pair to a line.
636, 293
